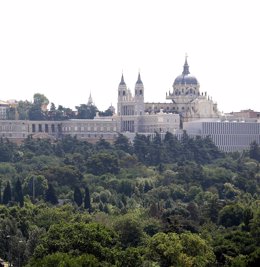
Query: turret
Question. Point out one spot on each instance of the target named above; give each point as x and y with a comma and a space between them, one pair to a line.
90, 100
122, 87
139, 96
122, 92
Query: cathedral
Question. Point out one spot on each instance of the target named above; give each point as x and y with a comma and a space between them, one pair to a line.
185, 100
187, 109
132, 117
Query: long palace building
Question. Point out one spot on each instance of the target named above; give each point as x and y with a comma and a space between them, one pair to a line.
187, 109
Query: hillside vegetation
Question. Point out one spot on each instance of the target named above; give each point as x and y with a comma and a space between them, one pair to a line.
151, 203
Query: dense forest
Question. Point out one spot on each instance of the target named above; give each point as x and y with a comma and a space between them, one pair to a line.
170, 202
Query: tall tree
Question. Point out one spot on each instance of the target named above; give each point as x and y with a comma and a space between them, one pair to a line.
18, 193
87, 201
78, 196
86, 111
0, 192
122, 143
40, 99
254, 151
50, 195
7, 195
23, 108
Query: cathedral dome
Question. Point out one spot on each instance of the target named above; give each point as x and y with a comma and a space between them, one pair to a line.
185, 78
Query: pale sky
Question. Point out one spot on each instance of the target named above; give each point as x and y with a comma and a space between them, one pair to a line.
67, 49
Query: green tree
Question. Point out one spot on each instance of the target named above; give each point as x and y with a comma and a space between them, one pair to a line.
7, 194
183, 250
103, 162
122, 143
254, 151
141, 146
78, 239
77, 196
40, 99
11, 113
87, 200
231, 215
86, 111
106, 113
18, 193
50, 195
130, 231
35, 185
36, 113
0, 192
23, 108
7, 150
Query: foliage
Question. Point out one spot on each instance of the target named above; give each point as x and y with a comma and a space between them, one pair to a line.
153, 202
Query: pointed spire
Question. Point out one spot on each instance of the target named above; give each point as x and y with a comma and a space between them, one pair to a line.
139, 81
186, 67
122, 80
90, 101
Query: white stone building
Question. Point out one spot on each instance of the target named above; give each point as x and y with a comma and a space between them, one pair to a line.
228, 135
186, 99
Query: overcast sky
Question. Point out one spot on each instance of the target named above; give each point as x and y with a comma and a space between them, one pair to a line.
67, 49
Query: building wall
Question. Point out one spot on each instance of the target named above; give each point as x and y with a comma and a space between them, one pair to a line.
227, 135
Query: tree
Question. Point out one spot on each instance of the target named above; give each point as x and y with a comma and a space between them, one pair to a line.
77, 196
40, 99
50, 195
122, 143
11, 113
130, 231
77, 239
18, 193
86, 111
0, 192
106, 113
141, 147
23, 108
103, 162
35, 185
103, 144
35, 113
7, 150
7, 194
231, 215
254, 151
61, 113
87, 200
183, 250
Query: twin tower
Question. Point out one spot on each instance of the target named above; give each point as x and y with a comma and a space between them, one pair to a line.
130, 108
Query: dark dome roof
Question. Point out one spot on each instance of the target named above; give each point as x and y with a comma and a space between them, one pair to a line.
186, 79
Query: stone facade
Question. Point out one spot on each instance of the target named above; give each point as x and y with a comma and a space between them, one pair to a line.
186, 99
228, 135
3, 110
188, 110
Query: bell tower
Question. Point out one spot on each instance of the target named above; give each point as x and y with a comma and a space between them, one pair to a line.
139, 96
122, 92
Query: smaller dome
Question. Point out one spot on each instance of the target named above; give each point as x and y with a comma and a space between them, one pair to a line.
186, 79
